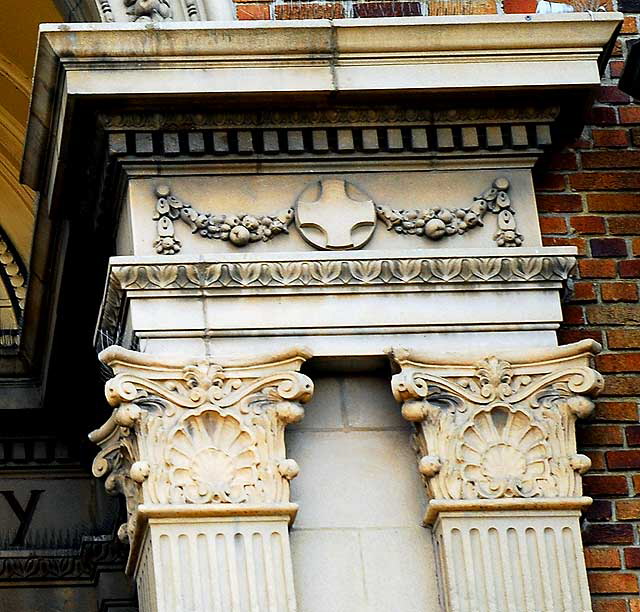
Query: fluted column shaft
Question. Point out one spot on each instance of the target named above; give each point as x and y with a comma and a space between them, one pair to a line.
495, 437
197, 448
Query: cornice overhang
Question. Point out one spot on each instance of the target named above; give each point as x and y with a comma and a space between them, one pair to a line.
317, 58
85, 70
278, 280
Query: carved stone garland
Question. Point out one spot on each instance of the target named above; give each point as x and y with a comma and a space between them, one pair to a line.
198, 439
237, 229
432, 223
497, 450
435, 223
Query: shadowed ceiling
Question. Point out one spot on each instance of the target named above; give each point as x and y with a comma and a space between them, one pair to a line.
19, 23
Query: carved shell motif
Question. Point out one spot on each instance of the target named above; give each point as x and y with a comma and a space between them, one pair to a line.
504, 454
211, 458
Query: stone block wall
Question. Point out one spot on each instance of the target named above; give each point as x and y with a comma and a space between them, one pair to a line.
589, 197
357, 543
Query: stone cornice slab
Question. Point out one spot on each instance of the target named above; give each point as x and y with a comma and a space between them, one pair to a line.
319, 58
327, 274
337, 38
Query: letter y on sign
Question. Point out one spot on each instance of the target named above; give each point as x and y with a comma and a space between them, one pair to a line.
25, 515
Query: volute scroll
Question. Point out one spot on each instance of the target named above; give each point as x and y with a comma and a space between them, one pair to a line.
199, 433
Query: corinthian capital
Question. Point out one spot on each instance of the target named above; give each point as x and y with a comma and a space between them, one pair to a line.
200, 433
499, 426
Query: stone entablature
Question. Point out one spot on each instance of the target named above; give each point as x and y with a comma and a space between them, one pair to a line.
349, 130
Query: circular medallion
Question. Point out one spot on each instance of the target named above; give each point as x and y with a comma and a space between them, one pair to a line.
333, 214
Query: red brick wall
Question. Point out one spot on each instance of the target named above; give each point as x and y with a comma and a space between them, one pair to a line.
332, 9
308, 9
589, 196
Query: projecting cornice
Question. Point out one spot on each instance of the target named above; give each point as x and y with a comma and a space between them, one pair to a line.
439, 56
374, 281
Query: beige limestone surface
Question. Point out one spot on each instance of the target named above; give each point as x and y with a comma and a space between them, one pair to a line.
357, 545
515, 561
267, 194
363, 317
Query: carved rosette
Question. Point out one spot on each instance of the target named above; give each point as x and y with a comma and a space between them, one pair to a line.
199, 432
499, 427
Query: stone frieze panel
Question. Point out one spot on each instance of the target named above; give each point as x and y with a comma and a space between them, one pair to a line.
329, 211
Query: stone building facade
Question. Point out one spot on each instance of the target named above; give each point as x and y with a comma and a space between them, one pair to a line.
354, 286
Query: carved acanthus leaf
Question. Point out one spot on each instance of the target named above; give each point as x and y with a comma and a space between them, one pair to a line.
504, 431
505, 387
66, 563
199, 432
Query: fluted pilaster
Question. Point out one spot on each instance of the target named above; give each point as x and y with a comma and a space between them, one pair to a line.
197, 449
495, 438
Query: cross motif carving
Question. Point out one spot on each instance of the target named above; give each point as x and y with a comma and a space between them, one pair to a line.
336, 215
